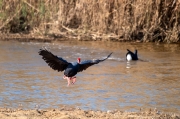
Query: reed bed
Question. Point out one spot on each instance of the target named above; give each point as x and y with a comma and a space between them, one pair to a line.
116, 20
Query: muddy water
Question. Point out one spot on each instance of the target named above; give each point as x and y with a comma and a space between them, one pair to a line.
153, 82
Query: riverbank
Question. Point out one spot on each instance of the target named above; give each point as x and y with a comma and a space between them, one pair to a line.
76, 113
62, 36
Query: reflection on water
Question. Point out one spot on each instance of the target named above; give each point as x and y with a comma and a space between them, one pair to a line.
153, 82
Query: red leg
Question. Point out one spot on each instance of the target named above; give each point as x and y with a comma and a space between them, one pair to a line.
69, 81
73, 79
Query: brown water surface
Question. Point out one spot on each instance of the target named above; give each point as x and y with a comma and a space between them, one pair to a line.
152, 82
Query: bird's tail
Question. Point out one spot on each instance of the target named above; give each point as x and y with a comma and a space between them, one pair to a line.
128, 50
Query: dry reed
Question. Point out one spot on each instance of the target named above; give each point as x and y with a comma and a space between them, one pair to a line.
117, 20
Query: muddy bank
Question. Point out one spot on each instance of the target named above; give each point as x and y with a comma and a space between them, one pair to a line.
76, 113
60, 37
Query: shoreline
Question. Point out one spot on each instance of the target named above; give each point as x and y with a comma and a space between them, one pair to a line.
76, 113
64, 36
59, 37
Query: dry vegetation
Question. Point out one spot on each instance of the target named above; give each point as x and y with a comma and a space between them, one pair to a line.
116, 20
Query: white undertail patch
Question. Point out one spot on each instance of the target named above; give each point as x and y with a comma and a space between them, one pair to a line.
128, 57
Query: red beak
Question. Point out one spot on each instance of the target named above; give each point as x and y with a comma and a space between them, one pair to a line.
79, 60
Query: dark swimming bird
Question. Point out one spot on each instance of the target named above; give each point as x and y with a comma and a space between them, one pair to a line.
70, 69
131, 56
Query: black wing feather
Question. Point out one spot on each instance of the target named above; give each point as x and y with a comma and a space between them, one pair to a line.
85, 64
56, 63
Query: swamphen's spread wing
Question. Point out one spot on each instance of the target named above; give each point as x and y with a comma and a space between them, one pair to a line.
56, 63
85, 64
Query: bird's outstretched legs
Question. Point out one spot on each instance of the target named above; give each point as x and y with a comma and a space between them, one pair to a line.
73, 79
69, 79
